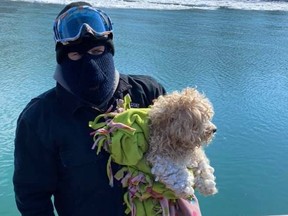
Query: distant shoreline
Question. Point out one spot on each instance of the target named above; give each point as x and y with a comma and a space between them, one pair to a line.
252, 5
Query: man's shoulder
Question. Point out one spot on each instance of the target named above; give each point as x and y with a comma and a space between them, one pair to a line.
141, 79
143, 89
40, 103
146, 83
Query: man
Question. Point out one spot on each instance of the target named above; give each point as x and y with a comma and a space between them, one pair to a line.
53, 156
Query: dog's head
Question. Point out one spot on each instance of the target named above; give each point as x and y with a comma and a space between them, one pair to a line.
182, 120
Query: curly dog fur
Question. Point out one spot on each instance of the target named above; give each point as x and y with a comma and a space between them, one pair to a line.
180, 126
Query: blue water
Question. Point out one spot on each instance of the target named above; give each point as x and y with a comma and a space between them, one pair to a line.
238, 58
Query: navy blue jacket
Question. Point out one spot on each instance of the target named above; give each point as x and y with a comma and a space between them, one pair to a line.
54, 163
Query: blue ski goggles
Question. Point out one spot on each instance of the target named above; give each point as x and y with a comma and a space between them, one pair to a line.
72, 24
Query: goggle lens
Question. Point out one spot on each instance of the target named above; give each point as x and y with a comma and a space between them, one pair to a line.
69, 26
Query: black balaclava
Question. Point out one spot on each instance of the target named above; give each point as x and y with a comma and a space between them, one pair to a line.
91, 78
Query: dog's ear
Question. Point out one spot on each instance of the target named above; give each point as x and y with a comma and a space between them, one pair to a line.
185, 127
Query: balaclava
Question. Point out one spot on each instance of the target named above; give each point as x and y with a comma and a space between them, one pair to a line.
92, 78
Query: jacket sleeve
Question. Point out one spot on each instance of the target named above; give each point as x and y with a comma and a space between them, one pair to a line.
34, 171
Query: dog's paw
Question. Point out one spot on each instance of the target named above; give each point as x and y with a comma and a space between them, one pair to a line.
174, 176
206, 186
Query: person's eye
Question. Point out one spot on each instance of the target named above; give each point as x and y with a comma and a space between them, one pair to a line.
74, 56
96, 50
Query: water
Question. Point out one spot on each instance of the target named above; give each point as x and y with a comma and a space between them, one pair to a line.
238, 58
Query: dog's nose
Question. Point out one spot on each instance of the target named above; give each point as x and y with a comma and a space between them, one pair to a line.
214, 130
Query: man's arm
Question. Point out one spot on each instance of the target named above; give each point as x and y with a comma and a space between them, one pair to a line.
34, 172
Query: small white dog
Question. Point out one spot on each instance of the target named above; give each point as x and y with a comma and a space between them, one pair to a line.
180, 126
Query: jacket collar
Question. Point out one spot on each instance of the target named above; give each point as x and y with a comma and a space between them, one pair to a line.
73, 103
